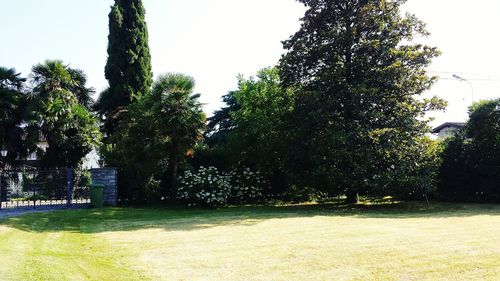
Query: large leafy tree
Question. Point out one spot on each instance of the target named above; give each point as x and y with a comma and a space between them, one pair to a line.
128, 68
58, 113
260, 121
12, 105
254, 111
251, 130
357, 115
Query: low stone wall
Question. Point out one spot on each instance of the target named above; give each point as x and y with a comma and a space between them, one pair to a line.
108, 177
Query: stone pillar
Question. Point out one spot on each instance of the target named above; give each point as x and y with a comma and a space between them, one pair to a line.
108, 178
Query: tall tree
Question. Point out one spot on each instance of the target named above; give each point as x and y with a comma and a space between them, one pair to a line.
12, 105
154, 137
177, 117
128, 68
357, 115
57, 114
250, 131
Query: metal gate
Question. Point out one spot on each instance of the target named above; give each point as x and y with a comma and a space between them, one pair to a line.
38, 187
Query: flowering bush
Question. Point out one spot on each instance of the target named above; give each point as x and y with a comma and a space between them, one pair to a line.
205, 187
247, 186
209, 187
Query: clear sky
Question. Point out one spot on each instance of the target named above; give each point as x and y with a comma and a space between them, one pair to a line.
215, 40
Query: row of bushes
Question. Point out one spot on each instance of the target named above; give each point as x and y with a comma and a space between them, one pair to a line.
470, 168
211, 187
462, 168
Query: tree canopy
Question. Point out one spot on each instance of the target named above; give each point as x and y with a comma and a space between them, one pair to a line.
357, 114
470, 170
12, 111
58, 113
155, 137
251, 131
128, 68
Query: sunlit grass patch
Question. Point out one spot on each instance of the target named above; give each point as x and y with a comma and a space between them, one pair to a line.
307, 242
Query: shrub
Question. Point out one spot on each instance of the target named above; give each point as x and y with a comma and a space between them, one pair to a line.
205, 187
211, 188
247, 186
470, 170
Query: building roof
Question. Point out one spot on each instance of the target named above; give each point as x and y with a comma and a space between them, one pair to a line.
457, 125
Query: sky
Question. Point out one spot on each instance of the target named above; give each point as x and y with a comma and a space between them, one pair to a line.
216, 40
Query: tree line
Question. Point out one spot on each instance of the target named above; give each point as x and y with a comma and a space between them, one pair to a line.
52, 106
341, 115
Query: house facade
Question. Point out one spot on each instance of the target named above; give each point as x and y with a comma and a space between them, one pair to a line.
447, 129
91, 161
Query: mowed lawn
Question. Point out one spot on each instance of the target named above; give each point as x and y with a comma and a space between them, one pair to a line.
329, 242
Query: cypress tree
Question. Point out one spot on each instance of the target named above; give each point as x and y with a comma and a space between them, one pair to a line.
128, 69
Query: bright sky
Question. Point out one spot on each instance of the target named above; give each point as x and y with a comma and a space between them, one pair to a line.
215, 40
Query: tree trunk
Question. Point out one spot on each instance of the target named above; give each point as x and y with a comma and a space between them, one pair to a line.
352, 197
172, 173
172, 181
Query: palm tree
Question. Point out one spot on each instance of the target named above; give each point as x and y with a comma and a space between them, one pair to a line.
11, 113
59, 111
54, 78
83, 94
177, 118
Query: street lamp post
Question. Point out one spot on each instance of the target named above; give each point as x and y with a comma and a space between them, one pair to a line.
461, 79
3, 153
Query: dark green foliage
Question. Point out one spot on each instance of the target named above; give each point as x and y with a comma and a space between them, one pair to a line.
417, 179
57, 114
135, 153
12, 109
471, 161
177, 117
78, 87
128, 68
454, 172
221, 123
154, 138
356, 119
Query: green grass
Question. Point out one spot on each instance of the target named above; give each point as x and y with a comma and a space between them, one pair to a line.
329, 242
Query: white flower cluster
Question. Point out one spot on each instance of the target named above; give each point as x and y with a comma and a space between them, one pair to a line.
209, 187
247, 186
204, 187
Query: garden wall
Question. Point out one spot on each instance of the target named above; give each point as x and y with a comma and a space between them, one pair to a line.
108, 178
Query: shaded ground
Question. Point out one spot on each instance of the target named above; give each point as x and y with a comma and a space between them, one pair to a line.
14, 212
27, 204
316, 242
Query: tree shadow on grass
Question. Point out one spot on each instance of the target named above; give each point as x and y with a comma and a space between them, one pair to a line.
175, 219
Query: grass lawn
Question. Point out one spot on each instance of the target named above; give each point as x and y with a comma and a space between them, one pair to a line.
397, 242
